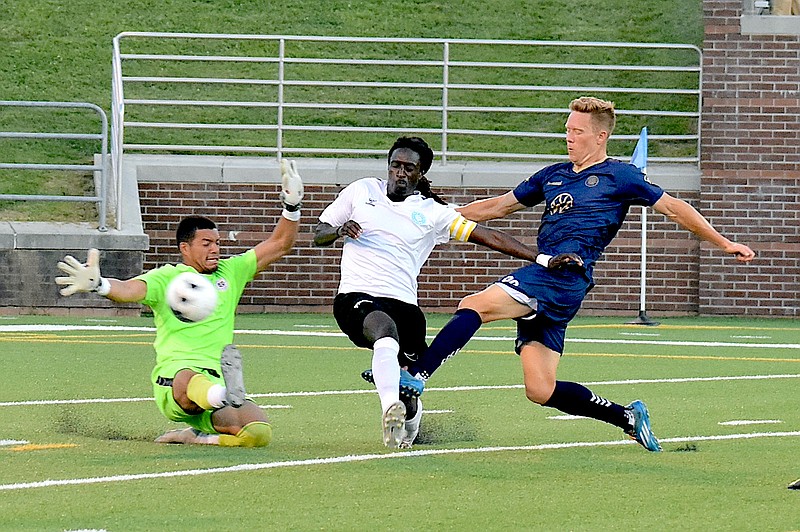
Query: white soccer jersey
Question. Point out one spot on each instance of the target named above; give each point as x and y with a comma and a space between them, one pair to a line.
397, 238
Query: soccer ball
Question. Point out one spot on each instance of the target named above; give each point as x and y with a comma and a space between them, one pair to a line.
191, 297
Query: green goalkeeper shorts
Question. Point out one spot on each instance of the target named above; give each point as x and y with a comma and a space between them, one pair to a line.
166, 403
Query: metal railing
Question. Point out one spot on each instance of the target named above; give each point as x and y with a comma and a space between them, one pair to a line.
340, 96
101, 137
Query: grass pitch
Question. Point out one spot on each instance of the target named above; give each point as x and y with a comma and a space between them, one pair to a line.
77, 424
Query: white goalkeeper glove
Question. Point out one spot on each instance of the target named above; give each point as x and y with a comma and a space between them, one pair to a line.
82, 277
291, 189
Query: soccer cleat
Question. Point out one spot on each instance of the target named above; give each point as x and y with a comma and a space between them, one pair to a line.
231, 363
795, 485
410, 387
394, 420
641, 431
412, 427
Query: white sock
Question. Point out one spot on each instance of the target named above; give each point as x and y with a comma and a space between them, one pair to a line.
216, 396
386, 371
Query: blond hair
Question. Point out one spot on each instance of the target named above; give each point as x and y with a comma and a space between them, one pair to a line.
602, 111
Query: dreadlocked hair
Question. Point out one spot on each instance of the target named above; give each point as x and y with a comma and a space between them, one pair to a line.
419, 146
424, 188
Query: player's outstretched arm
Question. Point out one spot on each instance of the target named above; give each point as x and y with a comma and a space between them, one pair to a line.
282, 239
491, 208
687, 216
86, 277
502, 242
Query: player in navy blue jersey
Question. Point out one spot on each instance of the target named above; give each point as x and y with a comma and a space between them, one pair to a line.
586, 201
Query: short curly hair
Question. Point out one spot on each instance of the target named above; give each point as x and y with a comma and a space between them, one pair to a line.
189, 226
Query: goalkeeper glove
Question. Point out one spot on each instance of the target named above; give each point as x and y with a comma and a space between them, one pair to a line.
82, 277
291, 187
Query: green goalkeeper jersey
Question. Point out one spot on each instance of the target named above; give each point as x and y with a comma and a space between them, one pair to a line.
197, 345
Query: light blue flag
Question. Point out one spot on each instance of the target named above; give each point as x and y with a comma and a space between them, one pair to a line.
639, 158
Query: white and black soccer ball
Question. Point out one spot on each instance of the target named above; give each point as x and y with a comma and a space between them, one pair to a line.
191, 297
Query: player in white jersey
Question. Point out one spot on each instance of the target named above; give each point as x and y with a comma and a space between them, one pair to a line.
390, 228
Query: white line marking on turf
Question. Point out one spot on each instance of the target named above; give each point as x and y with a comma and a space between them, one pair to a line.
447, 389
270, 407
367, 457
13, 442
276, 332
438, 411
751, 422
567, 417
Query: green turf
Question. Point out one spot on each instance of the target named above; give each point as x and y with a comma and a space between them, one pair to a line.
696, 484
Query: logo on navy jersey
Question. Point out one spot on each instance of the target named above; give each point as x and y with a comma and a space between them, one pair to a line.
554, 183
561, 203
592, 181
418, 218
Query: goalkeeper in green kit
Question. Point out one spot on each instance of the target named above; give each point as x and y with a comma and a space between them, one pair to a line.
198, 379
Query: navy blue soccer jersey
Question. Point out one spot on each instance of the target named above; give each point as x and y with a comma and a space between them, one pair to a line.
584, 210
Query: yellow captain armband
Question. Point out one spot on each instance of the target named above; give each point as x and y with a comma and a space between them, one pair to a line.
461, 228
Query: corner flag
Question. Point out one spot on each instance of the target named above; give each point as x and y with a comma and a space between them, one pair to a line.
639, 158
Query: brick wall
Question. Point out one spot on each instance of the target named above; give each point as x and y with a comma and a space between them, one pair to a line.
750, 187
27, 286
307, 279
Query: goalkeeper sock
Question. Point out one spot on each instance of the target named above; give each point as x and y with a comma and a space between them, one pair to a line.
254, 434
453, 336
205, 393
578, 400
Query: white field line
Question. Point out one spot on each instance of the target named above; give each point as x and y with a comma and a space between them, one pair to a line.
13, 442
276, 332
751, 422
432, 389
369, 457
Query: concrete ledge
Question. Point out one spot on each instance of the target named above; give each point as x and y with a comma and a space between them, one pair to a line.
52, 235
770, 24
6, 235
238, 169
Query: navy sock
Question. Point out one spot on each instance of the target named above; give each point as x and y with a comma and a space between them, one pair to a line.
452, 337
578, 400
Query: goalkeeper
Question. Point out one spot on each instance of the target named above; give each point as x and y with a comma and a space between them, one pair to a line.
197, 378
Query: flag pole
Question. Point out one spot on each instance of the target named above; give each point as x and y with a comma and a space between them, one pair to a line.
639, 159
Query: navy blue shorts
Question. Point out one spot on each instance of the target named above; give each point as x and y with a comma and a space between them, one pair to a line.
554, 297
351, 309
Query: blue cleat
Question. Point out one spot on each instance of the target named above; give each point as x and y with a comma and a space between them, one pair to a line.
641, 431
410, 387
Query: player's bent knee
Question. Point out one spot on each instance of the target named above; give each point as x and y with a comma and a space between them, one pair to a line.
254, 434
537, 396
